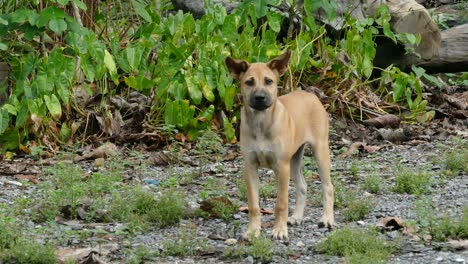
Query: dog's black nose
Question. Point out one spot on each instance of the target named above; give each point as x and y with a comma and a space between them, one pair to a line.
260, 98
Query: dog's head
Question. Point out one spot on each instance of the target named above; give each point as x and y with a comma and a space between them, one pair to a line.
259, 81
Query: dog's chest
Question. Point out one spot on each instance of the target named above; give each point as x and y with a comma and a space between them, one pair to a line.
262, 153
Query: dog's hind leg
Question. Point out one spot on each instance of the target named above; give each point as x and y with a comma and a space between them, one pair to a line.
322, 156
301, 187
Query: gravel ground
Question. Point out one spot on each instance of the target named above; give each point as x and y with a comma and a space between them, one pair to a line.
447, 195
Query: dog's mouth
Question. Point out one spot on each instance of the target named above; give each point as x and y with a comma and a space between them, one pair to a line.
260, 100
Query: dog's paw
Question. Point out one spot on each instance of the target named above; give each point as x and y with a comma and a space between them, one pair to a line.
294, 220
280, 232
327, 222
251, 234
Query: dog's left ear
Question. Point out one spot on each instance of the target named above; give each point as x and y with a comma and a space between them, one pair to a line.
280, 64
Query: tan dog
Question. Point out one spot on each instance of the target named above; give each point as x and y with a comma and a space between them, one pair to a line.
273, 133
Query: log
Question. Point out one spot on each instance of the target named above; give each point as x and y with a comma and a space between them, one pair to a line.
453, 52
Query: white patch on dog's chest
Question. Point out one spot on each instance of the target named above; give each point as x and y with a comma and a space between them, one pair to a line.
261, 152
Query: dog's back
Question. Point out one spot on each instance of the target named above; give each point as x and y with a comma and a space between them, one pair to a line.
310, 109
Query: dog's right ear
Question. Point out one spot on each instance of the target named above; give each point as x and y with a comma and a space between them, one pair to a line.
236, 67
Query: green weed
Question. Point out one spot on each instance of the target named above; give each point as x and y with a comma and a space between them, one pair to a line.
358, 210
15, 248
260, 248
186, 243
438, 225
356, 245
411, 181
455, 159
268, 190
372, 183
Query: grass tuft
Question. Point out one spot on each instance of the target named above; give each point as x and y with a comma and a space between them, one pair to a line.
410, 181
261, 249
358, 210
357, 245
372, 183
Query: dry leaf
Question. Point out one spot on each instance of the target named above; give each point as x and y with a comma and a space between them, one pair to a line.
160, 158
26, 177
209, 204
104, 151
394, 223
360, 147
391, 121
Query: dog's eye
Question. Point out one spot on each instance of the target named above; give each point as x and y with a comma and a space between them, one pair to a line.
268, 81
250, 82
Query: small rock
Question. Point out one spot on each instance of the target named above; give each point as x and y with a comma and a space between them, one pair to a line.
300, 244
460, 260
230, 241
361, 223
237, 216
13, 183
393, 234
249, 260
439, 259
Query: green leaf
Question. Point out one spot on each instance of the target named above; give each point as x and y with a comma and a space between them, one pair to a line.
274, 21
110, 65
10, 108
57, 26
418, 70
194, 91
3, 46
229, 130
411, 38
3, 21
80, 5
131, 81
65, 133
53, 104
140, 9
206, 90
21, 15
4, 120
63, 2
48, 14
399, 87
88, 69
206, 115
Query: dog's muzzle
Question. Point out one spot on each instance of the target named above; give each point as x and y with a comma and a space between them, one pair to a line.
260, 100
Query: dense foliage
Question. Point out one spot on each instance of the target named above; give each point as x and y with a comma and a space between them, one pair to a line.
178, 63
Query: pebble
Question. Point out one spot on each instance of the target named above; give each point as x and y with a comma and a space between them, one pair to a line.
361, 223
230, 241
460, 260
249, 260
300, 244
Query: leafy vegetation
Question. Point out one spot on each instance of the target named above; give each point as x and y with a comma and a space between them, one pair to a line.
412, 181
357, 245
372, 183
260, 248
438, 224
15, 248
176, 62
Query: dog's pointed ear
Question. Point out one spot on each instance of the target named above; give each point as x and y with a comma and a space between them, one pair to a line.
280, 64
236, 67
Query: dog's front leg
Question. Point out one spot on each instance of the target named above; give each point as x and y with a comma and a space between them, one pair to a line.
280, 228
253, 185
